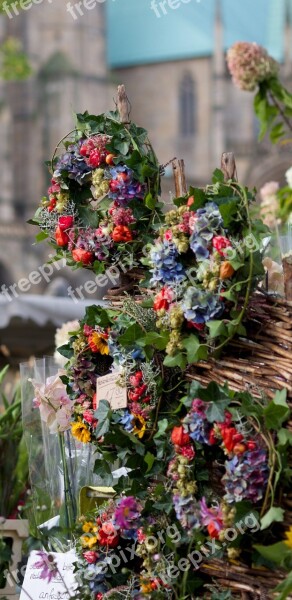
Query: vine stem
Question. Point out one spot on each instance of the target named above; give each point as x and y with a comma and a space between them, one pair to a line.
281, 111
242, 193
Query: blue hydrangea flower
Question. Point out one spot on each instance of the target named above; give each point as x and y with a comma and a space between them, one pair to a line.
166, 267
208, 221
197, 427
126, 420
246, 476
200, 306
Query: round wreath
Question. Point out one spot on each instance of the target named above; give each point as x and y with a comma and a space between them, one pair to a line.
102, 202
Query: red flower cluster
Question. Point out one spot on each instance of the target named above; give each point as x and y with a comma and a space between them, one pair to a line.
182, 442
95, 153
139, 390
220, 243
122, 233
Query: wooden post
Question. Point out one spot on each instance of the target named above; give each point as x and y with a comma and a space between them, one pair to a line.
123, 105
287, 270
228, 166
180, 183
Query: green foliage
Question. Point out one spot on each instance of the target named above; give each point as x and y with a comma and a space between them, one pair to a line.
273, 107
14, 64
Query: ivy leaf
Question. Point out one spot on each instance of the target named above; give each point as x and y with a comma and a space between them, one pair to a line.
217, 328
150, 202
277, 411
149, 460
195, 350
157, 340
216, 411
285, 587
179, 360
284, 437
133, 333
66, 351
277, 553
122, 147
162, 427
274, 514
40, 237
218, 176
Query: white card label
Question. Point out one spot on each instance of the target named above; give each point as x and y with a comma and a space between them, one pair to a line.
107, 389
62, 585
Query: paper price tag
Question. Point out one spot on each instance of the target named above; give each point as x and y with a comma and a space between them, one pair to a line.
62, 585
107, 389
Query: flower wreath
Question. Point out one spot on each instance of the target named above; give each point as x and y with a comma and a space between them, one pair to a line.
120, 554
102, 202
242, 465
205, 264
95, 350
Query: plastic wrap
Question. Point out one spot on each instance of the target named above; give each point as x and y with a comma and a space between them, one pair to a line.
59, 465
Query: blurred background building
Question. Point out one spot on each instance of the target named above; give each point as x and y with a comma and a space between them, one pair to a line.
173, 64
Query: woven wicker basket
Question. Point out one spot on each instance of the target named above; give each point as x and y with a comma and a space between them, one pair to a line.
262, 360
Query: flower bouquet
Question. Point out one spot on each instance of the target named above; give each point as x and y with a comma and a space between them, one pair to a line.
205, 265
58, 465
102, 205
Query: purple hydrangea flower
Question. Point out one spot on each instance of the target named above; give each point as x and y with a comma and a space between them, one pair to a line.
246, 476
187, 511
73, 165
123, 187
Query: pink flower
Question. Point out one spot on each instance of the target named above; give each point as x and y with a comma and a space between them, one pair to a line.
89, 417
168, 235
212, 518
53, 402
249, 65
90, 556
127, 513
220, 243
187, 451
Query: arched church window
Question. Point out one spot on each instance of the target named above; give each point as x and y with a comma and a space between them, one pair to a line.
187, 106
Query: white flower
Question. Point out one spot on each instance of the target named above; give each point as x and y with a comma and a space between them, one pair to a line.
288, 176
53, 402
62, 337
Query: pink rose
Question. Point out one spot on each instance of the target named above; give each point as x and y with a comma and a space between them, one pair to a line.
90, 556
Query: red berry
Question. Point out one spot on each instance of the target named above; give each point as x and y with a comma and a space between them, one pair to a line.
114, 185
251, 445
109, 159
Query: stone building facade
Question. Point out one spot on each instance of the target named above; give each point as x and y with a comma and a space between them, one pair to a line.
189, 106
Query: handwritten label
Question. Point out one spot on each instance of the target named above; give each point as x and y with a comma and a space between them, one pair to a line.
62, 584
107, 389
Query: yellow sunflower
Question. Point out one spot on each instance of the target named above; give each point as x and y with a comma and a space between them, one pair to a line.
80, 431
139, 425
98, 342
288, 535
